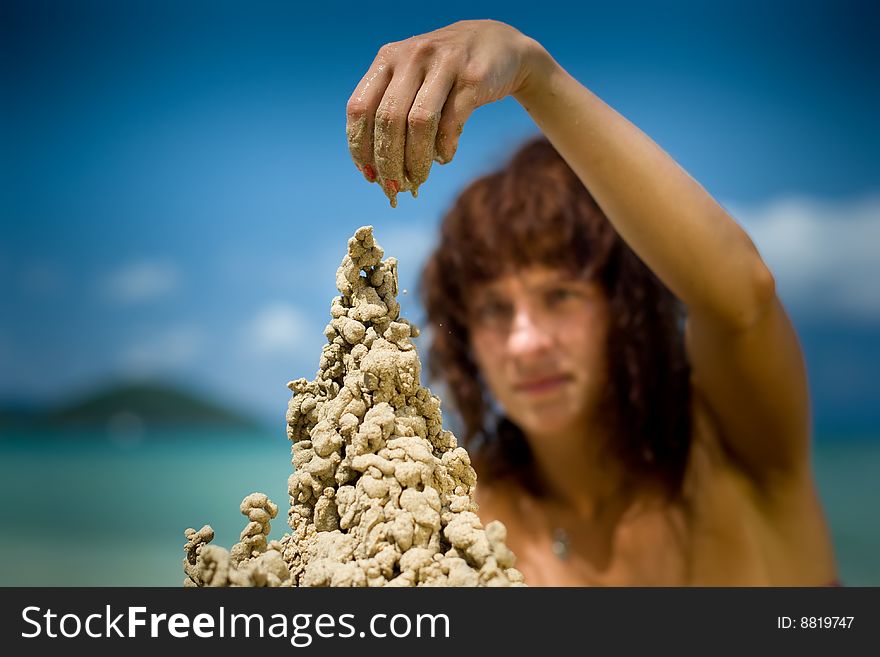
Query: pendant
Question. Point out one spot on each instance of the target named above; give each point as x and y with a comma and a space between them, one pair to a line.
560, 543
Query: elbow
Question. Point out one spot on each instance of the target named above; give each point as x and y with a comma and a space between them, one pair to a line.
764, 284
760, 296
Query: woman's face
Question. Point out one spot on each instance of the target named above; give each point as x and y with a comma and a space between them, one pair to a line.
538, 337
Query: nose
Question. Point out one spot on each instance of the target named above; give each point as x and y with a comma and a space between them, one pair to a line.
527, 335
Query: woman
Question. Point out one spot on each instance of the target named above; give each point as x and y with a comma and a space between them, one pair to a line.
620, 442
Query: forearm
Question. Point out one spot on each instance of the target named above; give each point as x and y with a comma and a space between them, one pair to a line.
685, 237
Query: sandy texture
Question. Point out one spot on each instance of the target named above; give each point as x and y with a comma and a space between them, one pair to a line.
381, 495
252, 562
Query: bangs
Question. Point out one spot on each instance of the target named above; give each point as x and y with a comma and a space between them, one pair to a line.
532, 213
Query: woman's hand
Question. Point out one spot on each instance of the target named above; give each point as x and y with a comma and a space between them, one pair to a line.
411, 106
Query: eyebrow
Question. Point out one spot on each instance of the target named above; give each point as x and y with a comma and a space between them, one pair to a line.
486, 293
551, 279
557, 281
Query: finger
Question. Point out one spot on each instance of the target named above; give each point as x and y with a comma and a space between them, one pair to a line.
359, 112
389, 130
422, 124
460, 104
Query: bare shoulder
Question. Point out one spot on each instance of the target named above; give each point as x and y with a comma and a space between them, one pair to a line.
773, 532
710, 464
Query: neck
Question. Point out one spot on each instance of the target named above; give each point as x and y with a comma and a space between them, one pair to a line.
574, 472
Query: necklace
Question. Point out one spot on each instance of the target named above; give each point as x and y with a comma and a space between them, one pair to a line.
561, 543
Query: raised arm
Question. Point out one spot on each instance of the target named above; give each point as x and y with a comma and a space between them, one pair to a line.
411, 107
745, 355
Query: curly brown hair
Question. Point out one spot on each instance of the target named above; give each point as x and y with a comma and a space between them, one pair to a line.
535, 210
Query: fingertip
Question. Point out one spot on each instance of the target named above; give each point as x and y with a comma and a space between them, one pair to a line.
445, 157
446, 147
418, 177
391, 189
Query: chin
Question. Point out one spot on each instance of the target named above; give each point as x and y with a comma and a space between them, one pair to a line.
545, 423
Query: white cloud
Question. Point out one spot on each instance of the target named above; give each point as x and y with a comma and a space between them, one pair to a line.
280, 329
141, 281
825, 255
164, 350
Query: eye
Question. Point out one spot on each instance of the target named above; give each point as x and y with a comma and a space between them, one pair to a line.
558, 295
491, 309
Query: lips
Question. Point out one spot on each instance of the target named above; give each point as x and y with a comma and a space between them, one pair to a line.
542, 384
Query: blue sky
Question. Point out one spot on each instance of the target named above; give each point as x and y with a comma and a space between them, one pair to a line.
177, 189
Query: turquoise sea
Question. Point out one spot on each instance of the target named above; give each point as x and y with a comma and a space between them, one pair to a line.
79, 509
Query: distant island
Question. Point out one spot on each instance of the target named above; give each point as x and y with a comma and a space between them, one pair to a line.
130, 406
